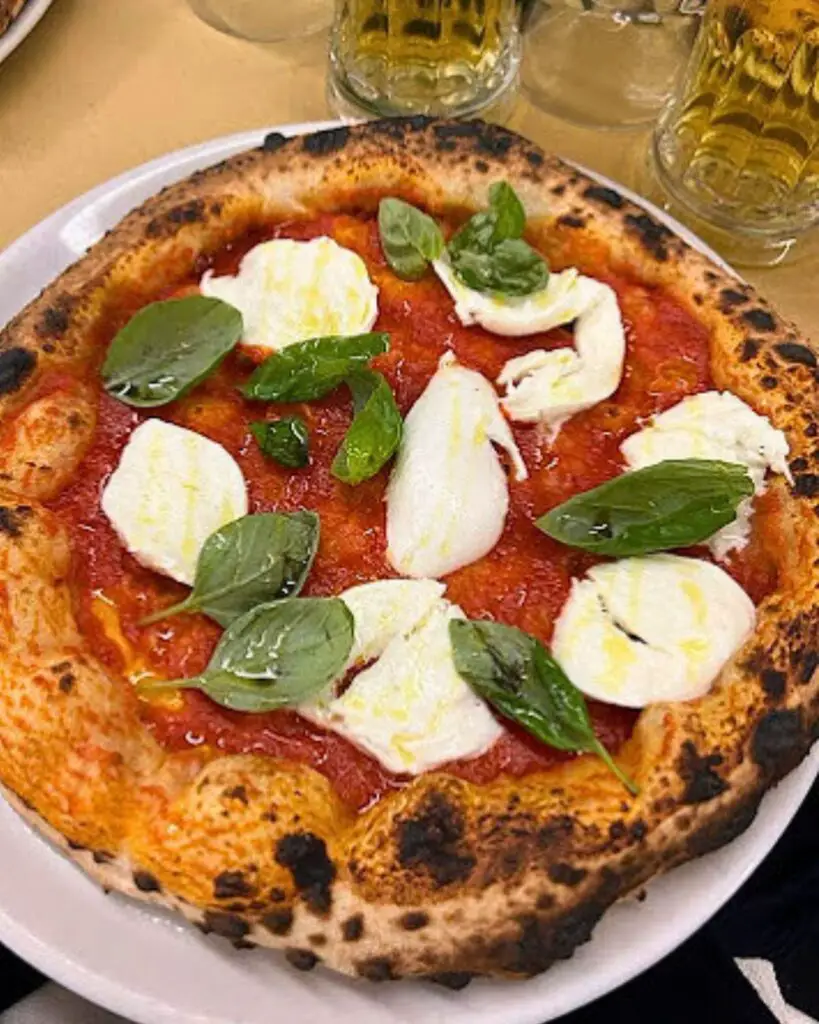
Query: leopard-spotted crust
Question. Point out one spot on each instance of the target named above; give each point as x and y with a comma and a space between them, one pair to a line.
444, 879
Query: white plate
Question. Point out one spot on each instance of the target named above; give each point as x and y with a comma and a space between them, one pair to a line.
20, 28
149, 967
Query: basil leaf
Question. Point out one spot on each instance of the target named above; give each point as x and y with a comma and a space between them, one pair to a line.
672, 504
285, 440
252, 560
374, 434
276, 655
410, 238
510, 217
311, 369
515, 673
168, 347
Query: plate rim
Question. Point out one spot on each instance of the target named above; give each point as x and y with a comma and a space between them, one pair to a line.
118, 996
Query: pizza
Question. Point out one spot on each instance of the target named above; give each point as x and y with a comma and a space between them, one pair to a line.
9, 10
409, 548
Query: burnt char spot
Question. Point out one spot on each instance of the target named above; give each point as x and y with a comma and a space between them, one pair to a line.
72, 845
321, 143
192, 212
236, 793
431, 840
55, 322
242, 944
638, 830
723, 828
353, 928
799, 465
607, 196
730, 298
806, 485
377, 968
102, 857
481, 166
809, 666
773, 682
317, 940
769, 382
277, 895
565, 874
779, 742
534, 158
66, 683
273, 141
231, 884
305, 856
16, 366
301, 959
227, 926
795, 353
278, 922
559, 827
542, 942
702, 783
617, 829
750, 347
760, 320
653, 236
570, 221
455, 980
145, 882
414, 920
12, 519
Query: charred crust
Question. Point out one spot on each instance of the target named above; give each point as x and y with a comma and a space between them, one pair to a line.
433, 839
242, 944
810, 662
569, 220
225, 925
481, 166
11, 522
191, 212
16, 366
760, 319
653, 236
273, 141
278, 922
749, 349
146, 882
557, 828
329, 141
606, 196
305, 857
236, 793
66, 682
232, 885
730, 298
779, 741
773, 683
488, 138
564, 874
638, 830
376, 968
792, 352
542, 941
318, 940
56, 319
769, 382
723, 828
799, 465
696, 770
102, 857
277, 895
301, 959
353, 928
534, 158
454, 980
414, 920
806, 485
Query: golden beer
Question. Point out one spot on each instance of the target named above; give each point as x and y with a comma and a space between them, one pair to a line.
424, 56
740, 147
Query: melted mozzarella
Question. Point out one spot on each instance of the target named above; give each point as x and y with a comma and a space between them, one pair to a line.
720, 426
648, 630
411, 710
171, 490
292, 291
448, 495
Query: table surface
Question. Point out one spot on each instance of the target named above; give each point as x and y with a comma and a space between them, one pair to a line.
103, 85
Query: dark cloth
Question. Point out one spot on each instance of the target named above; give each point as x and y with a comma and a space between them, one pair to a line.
774, 917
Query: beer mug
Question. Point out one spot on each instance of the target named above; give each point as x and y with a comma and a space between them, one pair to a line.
443, 57
738, 150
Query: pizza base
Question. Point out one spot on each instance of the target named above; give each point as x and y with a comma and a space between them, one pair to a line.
444, 879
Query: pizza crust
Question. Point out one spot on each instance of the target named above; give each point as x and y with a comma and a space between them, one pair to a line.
444, 879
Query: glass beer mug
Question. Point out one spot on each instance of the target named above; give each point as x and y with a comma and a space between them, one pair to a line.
739, 148
448, 57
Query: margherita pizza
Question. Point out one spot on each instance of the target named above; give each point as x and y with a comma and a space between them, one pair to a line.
409, 547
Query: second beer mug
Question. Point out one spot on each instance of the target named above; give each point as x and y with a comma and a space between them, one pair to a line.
449, 57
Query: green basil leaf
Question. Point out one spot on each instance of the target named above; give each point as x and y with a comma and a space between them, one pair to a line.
253, 560
515, 673
286, 440
374, 434
168, 347
312, 369
669, 505
510, 217
276, 655
511, 267
410, 238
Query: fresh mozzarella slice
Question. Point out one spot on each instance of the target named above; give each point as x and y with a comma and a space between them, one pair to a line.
171, 490
720, 426
448, 495
386, 609
550, 386
411, 710
291, 291
647, 630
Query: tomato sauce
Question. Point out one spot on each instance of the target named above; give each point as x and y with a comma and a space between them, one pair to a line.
524, 581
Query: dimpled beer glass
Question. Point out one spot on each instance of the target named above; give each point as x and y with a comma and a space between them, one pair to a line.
739, 148
450, 57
